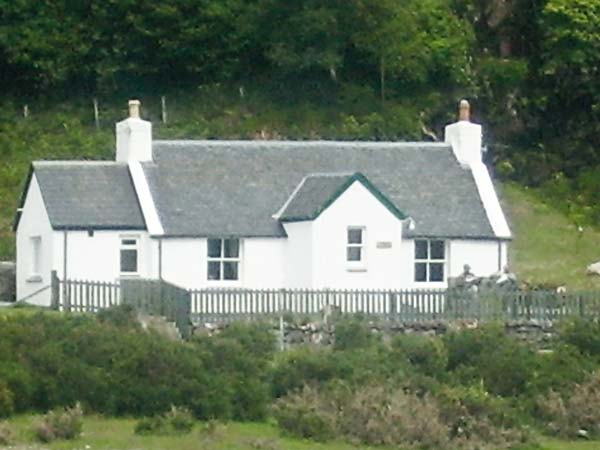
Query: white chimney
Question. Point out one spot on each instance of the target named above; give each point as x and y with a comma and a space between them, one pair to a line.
134, 136
465, 137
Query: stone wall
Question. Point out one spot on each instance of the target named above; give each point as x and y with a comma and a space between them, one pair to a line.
8, 274
539, 334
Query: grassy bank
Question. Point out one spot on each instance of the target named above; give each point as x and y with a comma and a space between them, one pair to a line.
102, 433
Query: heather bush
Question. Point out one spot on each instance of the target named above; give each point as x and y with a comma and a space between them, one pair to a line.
506, 366
583, 334
122, 316
60, 424
6, 400
427, 354
304, 365
307, 414
177, 421
580, 409
353, 333
6, 435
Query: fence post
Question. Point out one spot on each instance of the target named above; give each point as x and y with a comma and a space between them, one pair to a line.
54, 290
281, 302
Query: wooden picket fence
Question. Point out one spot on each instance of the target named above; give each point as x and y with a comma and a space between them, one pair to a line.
184, 306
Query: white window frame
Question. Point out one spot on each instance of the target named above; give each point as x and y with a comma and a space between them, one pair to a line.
360, 265
35, 268
129, 246
223, 259
429, 260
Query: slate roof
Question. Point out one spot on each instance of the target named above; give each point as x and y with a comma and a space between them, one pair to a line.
233, 188
317, 191
89, 195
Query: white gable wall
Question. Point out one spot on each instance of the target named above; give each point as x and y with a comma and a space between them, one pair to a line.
356, 207
34, 222
299, 254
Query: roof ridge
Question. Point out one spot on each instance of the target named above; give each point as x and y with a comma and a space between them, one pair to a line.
304, 143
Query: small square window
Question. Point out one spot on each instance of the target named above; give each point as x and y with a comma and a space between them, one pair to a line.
355, 236
129, 255
353, 254
430, 256
223, 259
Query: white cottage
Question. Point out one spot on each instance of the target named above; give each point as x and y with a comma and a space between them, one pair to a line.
263, 214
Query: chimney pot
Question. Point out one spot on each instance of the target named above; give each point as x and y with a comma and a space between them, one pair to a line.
134, 109
464, 110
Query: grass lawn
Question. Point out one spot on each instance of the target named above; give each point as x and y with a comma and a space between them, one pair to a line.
547, 248
117, 434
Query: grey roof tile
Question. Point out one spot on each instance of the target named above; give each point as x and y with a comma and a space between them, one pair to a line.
233, 188
89, 195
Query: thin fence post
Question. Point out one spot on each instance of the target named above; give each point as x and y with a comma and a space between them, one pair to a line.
163, 107
96, 113
281, 302
54, 290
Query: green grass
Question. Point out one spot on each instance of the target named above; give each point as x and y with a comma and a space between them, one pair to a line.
547, 248
103, 434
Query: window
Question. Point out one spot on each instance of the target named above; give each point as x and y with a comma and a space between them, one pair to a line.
129, 255
223, 259
355, 245
430, 260
36, 255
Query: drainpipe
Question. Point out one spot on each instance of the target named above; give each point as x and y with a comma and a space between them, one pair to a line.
66, 302
160, 259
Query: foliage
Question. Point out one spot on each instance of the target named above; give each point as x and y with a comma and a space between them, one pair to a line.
60, 424
6, 400
580, 409
176, 421
582, 334
6, 434
353, 333
122, 316
427, 354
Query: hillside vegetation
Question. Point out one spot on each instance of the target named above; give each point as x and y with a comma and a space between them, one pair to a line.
547, 249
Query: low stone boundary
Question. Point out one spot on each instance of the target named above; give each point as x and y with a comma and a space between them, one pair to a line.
538, 333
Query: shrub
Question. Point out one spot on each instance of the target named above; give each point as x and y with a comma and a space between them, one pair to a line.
565, 415
428, 355
353, 333
582, 334
6, 400
301, 366
122, 316
306, 414
60, 424
175, 422
6, 435
375, 415
506, 366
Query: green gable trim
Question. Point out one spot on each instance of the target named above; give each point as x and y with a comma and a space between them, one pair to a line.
349, 181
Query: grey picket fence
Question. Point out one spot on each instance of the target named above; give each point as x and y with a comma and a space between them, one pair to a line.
184, 306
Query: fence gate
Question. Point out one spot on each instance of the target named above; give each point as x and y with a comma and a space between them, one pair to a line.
160, 298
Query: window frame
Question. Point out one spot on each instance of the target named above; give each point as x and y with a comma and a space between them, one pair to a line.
222, 260
124, 246
428, 261
361, 264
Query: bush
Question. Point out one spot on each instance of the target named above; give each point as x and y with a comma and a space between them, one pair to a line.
583, 335
428, 355
353, 333
60, 424
6, 400
122, 316
175, 422
306, 414
301, 366
565, 415
6, 435
506, 366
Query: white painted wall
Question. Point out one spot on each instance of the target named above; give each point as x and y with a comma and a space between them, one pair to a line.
34, 222
381, 268
97, 257
184, 263
298, 252
482, 256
